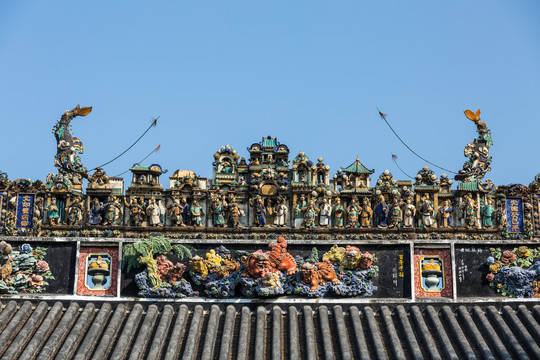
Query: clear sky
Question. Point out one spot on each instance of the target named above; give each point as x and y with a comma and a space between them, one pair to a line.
311, 73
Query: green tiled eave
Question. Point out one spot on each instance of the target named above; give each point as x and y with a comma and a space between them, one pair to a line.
358, 168
468, 186
269, 142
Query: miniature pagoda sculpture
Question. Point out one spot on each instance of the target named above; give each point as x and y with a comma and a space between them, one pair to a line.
477, 151
70, 168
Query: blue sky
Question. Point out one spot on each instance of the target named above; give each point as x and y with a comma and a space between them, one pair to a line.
309, 72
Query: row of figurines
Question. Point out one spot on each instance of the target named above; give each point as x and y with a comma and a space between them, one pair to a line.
345, 271
309, 212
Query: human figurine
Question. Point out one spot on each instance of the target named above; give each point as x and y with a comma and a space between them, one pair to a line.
338, 214
426, 212
218, 211
242, 181
352, 214
176, 210
488, 212
186, 213
234, 213
38, 213
74, 213
281, 213
196, 213
409, 211
298, 213
96, 213
381, 211
136, 211
460, 212
154, 213
365, 213
270, 212
111, 211
470, 208
259, 211
445, 212
395, 214
310, 214
325, 213
53, 213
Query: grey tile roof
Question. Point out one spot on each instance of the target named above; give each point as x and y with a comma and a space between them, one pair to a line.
108, 330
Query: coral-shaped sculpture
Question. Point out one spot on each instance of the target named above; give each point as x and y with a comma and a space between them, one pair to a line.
445, 183
477, 151
23, 270
218, 272
426, 176
386, 184
513, 273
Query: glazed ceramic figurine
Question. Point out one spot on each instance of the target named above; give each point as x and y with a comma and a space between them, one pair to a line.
259, 211
196, 214
381, 211
234, 213
488, 213
218, 211
325, 213
365, 213
186, 213
153, 212
445, 213
310, 213
470, 209
74, 211
395, 214
279, 258
270, 212
426, 211
176, 213
256, 265
281, 213
298, 213
409, 212
53, 214
338, 214
352, 213
96, 213
136, 211
315, 275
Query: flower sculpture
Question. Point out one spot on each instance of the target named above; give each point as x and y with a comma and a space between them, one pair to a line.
512, 272
23, 269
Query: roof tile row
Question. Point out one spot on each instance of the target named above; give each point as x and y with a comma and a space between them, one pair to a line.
133, 331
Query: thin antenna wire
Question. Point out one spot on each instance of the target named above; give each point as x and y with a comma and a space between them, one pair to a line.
383, 116
394, 158
154, 122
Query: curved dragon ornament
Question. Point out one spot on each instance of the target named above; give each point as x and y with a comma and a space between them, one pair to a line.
68, 147
477, 152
